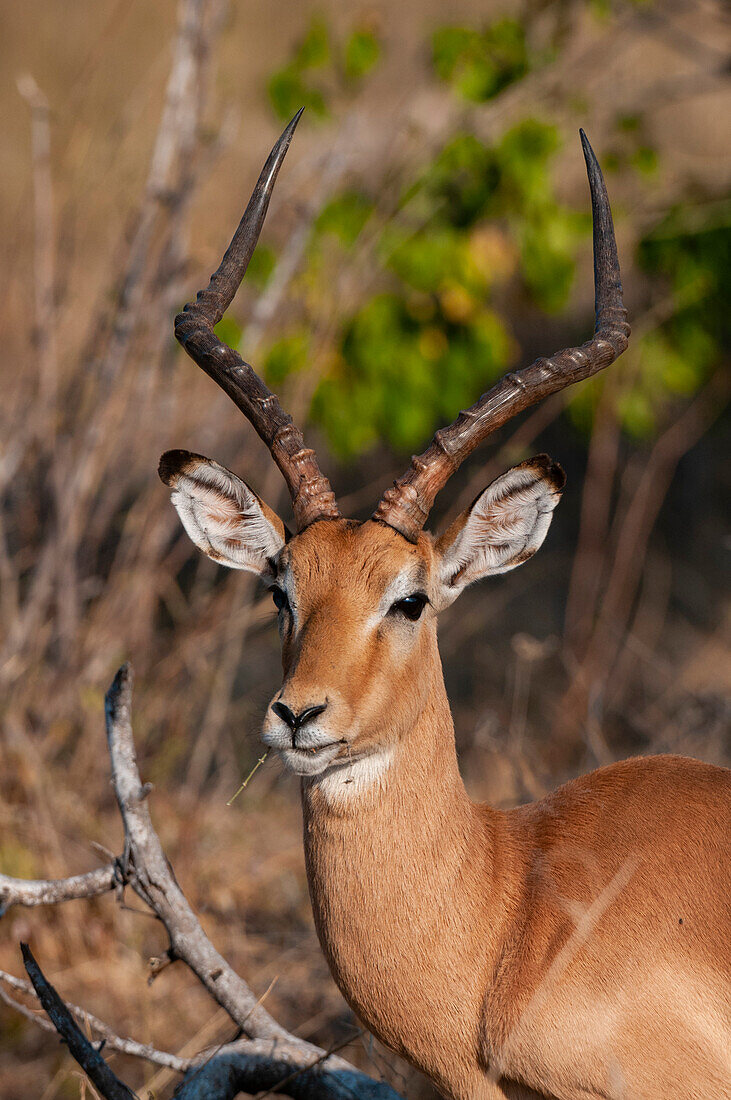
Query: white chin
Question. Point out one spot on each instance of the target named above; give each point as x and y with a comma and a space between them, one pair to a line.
306, 762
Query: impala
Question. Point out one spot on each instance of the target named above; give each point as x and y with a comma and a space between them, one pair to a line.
575, 947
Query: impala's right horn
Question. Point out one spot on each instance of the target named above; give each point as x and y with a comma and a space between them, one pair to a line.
406, 506
312, 497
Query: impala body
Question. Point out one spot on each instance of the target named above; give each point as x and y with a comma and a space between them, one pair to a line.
577, 947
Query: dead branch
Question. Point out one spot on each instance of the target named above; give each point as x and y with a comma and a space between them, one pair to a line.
101, 1030
78, 464
45, 248
178, 123
31, 892
267, 1057
277, 1067
152, 879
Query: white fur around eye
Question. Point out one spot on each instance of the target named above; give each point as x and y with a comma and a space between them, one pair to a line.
224, 518
504, 527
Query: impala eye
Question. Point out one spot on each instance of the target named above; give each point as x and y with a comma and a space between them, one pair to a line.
280, 598
410, 606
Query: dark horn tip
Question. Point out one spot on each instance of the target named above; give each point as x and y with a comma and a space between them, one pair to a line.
290, 128
271, 168
589, 154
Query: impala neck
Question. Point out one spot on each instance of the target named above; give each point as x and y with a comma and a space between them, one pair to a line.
398, 897
417, 779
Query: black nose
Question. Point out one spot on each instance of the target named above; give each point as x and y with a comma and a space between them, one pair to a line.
294, 721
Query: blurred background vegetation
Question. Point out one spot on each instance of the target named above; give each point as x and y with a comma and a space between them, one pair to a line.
430, 231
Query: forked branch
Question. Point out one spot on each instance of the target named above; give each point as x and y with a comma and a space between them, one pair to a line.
107, 1038
267, 1056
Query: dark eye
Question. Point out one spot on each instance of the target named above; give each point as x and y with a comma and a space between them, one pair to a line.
280, 598
410, 606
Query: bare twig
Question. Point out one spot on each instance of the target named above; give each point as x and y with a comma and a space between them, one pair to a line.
177, 124
77, 466
32, 892
45, 248
271, 1058
102, 1030
153, 880
249, 777
634, 529
35, 1017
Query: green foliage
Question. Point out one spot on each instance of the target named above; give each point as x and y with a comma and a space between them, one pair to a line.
288, 91
603, 10
631, 148
292, 87
399, 372
361, 54
320, 67
313, 51
644, 160
430, 336
471, 182
480, 64
412, 354
677, 358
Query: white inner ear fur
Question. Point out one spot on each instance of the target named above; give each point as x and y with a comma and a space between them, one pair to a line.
502, 529
225, 518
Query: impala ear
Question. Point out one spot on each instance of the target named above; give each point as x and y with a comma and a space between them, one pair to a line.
223, 516
502, 528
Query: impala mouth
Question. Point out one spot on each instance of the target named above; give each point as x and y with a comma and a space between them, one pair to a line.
308, 752
310, 761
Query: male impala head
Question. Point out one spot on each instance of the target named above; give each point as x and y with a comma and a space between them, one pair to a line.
358, 602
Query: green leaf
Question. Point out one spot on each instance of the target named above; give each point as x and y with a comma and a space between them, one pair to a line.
288, 92
644, 160
313, 51
480, 64
361, 53
288, 89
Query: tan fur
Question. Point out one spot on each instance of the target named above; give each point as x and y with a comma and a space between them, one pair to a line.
578, 947
540, 947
